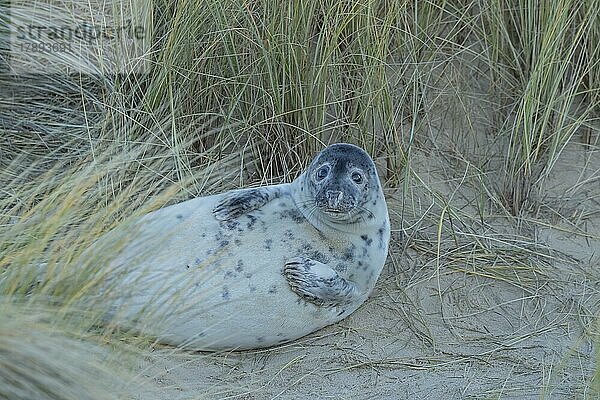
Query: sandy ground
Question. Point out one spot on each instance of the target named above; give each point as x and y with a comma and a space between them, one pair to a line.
511, 316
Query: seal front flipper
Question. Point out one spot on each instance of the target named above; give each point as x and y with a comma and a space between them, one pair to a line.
239, 202
318, 283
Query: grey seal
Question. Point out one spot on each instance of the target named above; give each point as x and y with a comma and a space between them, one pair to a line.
259, 267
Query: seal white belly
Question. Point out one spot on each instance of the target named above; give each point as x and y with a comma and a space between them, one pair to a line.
258, 267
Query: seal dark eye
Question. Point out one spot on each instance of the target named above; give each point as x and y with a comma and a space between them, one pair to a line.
322, 172
356, 178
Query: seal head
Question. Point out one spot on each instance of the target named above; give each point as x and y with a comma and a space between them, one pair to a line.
339, 184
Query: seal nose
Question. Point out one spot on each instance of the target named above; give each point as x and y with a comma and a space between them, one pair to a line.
334, 197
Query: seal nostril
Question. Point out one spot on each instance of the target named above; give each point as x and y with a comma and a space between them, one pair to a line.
334, 194
334, 197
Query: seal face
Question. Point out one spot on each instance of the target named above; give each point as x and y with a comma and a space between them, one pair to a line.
258, 267
341, 179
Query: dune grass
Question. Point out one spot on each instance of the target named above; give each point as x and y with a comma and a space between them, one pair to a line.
42, 358
236, 93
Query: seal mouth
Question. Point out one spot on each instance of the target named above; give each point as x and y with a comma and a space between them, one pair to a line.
335, 204
337, 213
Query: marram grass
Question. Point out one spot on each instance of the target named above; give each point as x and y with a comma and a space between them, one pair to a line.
42, 359
543, 57
241, 93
